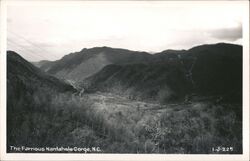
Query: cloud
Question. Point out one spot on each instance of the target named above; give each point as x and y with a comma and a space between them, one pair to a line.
53, 31
230, 34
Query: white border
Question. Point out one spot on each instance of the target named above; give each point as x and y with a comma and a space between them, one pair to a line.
210, 157
3, 33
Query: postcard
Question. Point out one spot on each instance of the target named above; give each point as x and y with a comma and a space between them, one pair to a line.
124, 80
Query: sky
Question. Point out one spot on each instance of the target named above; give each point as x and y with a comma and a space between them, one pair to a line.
50, 31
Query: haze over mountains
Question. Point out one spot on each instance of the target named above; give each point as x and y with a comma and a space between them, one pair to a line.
214, 69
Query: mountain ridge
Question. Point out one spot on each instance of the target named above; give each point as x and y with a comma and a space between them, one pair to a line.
79, 65
88, 61
209, 70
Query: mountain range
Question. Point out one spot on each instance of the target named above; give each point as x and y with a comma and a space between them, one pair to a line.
207, 70
80, 65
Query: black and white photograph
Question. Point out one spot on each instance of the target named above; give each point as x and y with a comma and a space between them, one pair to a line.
126, 77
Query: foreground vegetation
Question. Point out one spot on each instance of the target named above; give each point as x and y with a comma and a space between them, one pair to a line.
48, 118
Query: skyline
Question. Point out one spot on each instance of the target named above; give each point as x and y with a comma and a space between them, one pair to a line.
126, 49
54, 31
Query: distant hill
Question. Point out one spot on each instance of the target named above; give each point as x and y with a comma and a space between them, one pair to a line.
80, 65
207, 70
212, 69
167, 55
41, 63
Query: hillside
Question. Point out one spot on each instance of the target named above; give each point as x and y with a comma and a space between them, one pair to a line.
80, 65
29, 91
141, 81
23, 76
207, 70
